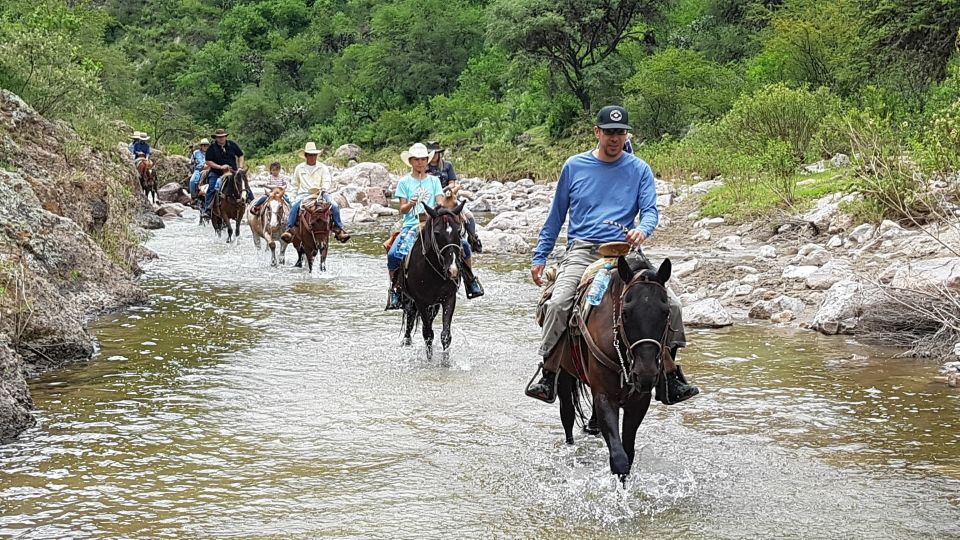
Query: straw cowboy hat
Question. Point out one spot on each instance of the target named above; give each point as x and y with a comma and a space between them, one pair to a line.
144, 136
309, 148
418, 150
136, 135
220, 133
204, 141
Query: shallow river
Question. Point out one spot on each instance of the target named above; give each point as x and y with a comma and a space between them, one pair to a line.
250, 402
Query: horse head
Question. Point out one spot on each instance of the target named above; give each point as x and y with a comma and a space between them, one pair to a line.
317, 216
441, 234
643, 318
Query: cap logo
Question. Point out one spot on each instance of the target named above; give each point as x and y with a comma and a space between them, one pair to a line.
616, 115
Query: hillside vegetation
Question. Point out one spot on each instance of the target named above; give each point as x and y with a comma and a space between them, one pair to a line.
746, 89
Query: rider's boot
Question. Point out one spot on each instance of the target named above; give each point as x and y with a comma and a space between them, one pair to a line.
393, 295
673, 387
287, 235
340, 234
546, 388
471, 283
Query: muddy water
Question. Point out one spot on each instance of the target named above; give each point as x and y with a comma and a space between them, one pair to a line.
249, 402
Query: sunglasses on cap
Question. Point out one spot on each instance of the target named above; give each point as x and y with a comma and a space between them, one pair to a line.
610, 132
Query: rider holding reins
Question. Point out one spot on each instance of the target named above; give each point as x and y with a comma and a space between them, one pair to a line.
223, 157
310, 178
605, 183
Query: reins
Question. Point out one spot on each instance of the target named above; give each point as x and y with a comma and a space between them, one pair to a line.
439, 252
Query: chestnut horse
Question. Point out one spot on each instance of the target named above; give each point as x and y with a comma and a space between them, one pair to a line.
228, 204
623, 349
269, 223
148, 179
311, 234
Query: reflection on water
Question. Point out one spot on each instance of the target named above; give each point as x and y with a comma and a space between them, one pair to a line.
251, 402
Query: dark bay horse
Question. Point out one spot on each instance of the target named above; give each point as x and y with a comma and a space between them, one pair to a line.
432, 276
623, 350
269, 223
148, 179
228, 204
311, 234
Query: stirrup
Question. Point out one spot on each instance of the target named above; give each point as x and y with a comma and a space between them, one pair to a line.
469, 291
547, 399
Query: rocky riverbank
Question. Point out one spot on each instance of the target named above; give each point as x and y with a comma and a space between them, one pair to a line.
67, 249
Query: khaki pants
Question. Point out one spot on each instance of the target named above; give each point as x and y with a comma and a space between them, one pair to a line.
557, 309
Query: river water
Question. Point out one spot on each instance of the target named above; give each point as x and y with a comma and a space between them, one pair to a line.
250, 402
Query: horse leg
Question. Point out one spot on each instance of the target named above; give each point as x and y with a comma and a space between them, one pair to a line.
426, 317
566, 391
273, 252
609, 416
323, 256
310, 258
446, 334
633, 414
283, 251
410, 315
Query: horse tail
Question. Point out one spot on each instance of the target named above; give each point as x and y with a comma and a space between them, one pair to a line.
580, 395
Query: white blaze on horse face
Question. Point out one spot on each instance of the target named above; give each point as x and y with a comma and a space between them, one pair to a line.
449, 230
274, 209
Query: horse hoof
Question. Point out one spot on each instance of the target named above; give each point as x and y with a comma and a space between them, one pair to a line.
623, 479
569, 441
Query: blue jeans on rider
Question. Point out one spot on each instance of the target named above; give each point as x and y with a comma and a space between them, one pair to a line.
213, 184
334, 211
194, 183
263, 199
404, 242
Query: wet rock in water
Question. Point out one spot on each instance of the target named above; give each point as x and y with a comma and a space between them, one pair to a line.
707, 313
828, 274
144, 254
840, 160
782, 317
765, 309
840, 311
709, 222
861, 234
502, 242
350, 151
171, 210
150, 221
767, 252
729, 243
173, 193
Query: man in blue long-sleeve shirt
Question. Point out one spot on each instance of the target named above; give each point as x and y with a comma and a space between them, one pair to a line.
603, 184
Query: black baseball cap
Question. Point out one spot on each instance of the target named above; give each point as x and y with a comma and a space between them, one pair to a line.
612, 117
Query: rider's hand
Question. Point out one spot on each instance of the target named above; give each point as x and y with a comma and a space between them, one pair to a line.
536, 272
635, 237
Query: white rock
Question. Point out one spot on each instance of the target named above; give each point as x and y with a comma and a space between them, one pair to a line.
828, 274
730, 243
480, 204
956, 351
807, 182
840, 160
704, 186
709, 222
764, 309
707, 313
664, 200
750, 279
365, 175
782, 317
350, 151
862, 233
841, 308
502, 242
817, 167
686, 267
508, 221
824, 210
767, 252
941, 272
703, 235
380, 210
745, 269
835, 242
798, 272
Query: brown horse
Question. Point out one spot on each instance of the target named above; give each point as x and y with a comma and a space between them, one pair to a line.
228, 204
148, 179
311, 234
269, 223
621, 351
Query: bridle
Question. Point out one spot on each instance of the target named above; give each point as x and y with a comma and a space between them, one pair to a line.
620, 332
439, 252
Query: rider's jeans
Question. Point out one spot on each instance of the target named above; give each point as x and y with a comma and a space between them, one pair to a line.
405, 241
556, 317
334, 211
213, 185
194, 182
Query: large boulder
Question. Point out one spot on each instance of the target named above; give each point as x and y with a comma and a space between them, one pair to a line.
765, 309
941, 272
824, 210
508, 221
376, 195
352, 195
502, 242
349, 151
707, 313
173, 193
832, 272
365, 175
172, 167
842, 306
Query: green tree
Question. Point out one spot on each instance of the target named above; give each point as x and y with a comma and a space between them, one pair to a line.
572, 35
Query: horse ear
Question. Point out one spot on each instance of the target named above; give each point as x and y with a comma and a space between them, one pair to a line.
623, 268
663, 273
459, 208
430, 211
